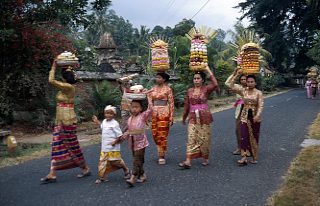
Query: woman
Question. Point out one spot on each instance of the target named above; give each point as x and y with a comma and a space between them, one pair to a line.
66, 151
161, 98
125, 104
308, 88
314, 87
250, 118
200, 118
239, 105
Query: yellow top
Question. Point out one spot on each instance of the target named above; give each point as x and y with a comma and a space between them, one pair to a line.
65, 114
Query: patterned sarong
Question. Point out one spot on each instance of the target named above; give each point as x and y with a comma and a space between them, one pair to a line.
199, 141
66, 151
109, 162
160, 131
250, 137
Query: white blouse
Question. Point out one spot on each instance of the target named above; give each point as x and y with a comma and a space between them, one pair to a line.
110, 131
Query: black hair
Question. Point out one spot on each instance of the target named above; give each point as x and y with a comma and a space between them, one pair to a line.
242, 75
252, 76
202, 74
69, 76
143, 104
164, 75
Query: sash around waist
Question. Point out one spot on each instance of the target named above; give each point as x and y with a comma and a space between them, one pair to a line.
68, 105
160, 102
195, 107
136, 132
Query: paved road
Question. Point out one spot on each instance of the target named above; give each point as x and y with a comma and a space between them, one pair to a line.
286, 118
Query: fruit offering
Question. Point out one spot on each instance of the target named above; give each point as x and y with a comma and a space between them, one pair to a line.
136, 93
67, 59
250, 58
160, 56
198, 53
313, 72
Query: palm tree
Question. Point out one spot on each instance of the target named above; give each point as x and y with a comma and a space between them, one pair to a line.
241, 37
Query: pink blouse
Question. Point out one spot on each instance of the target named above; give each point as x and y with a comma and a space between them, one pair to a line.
199, 102
136, 128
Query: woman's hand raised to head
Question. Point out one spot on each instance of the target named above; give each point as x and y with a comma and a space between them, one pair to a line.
54, 64
208, 70
239, 72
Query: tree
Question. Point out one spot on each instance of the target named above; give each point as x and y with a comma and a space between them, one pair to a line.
287, 28
183, 27
33, 32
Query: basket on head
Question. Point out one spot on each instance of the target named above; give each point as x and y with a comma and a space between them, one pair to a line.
159, 55
67, 59
198, 50
250, 58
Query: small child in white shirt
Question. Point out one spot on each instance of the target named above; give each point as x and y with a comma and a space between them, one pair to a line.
110, 156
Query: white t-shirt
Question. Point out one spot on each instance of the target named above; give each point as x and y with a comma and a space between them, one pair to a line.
110, 131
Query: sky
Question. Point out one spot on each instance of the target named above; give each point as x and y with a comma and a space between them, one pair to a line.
216, 13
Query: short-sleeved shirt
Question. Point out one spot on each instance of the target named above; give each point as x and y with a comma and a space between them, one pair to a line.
110, 131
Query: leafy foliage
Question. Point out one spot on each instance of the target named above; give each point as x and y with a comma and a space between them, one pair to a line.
269, 83
33, 32
105, 94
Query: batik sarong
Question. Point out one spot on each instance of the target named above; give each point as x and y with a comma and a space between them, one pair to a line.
66, 151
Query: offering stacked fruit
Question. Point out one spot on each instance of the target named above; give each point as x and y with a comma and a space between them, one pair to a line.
313, 72
160, 56
67, 59
250, 58
136, 93
198, 51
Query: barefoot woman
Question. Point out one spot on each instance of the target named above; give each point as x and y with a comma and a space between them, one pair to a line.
200, 118
66, 152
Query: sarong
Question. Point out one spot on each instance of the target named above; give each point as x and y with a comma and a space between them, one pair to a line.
109, 162
66, 151
138, 161
160, 131
250, 137
199, 141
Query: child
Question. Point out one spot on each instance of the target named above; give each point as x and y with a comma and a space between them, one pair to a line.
137, 140
110, 156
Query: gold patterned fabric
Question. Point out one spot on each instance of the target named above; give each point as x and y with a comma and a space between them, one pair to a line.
199, 141
65, 114
109, 162
162, 116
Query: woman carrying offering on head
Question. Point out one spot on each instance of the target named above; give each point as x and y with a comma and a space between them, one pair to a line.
200, 118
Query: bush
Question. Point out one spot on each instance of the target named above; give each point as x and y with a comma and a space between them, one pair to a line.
105, 94
179, 92
269, 83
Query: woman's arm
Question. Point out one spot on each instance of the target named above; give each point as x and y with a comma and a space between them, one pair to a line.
232, 85
257, 117
228, 82
213, 85
186, 108
56, 83
171, 105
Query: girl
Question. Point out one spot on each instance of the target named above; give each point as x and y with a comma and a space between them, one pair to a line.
137, 139
110, 156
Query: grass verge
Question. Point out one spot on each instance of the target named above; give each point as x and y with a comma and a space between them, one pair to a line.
302, 183
29, 151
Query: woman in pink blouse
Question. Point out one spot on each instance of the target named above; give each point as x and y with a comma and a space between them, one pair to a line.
200, 118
